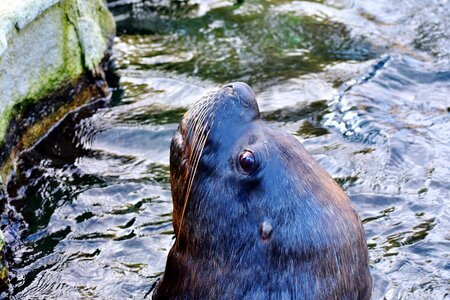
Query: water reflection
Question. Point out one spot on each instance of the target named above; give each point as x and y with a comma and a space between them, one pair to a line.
258, 42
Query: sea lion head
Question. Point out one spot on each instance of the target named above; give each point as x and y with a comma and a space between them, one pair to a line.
254, 215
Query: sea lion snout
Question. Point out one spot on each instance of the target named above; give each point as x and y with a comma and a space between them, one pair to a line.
245, 96
243, 91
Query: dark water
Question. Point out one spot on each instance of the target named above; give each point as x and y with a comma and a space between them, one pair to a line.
365, 85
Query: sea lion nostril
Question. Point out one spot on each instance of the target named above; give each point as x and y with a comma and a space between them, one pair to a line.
265, 230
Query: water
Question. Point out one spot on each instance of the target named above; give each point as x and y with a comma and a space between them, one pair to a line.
365, 85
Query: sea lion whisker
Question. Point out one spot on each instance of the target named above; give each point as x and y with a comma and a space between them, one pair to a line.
193, 130
201, 146
194, 126
198, 149
196, 129
191, 179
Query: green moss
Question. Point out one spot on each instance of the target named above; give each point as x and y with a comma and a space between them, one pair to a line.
51, 78
4, 276
73, 63
106, 21
94, 26
3, 269
4, 122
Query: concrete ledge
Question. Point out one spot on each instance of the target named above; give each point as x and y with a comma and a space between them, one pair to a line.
45, 44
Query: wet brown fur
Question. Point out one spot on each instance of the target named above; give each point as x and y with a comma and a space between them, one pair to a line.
317, 249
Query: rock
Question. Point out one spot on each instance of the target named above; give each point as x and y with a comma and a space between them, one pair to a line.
45, 44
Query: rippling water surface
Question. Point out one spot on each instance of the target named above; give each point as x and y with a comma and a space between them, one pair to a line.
365, 85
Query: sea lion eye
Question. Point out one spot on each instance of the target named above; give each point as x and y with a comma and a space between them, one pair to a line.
247, 161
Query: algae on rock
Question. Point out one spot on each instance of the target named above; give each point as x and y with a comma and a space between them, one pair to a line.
46, 44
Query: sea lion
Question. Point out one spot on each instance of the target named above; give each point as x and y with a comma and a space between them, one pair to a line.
255, 217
